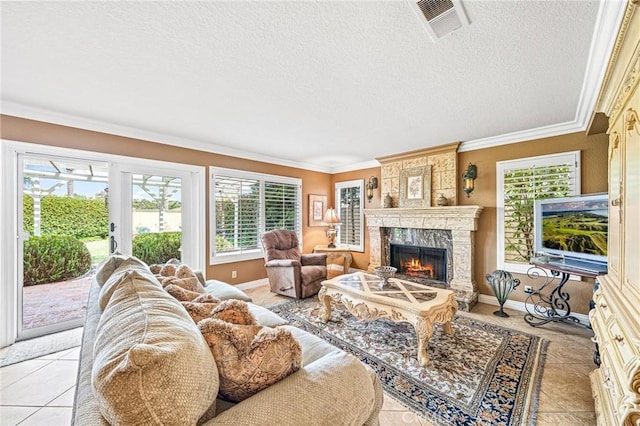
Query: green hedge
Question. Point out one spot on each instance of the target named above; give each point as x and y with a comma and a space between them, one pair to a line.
54, 258
157, 247
82, 218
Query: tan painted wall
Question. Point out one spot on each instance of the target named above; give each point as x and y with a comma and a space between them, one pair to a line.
594, 179
18, 129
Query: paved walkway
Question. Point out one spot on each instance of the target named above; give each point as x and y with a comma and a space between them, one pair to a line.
47, 304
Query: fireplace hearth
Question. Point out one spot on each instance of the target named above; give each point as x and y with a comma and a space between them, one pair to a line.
420, 263
451, 228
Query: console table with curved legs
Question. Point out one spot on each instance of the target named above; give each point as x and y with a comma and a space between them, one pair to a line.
550, 302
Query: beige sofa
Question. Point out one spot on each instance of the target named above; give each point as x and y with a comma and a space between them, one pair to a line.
331, 388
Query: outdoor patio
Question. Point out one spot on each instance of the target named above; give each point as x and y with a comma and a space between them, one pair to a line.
47, 304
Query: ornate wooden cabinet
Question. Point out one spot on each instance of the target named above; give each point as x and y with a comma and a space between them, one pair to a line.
616, 316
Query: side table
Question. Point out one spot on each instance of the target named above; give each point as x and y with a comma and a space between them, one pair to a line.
333, 255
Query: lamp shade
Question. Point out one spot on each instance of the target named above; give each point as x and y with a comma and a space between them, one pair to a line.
330, 217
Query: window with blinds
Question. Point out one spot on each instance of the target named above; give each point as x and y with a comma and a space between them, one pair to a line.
281, 206
349, 205
246, 204
520, 183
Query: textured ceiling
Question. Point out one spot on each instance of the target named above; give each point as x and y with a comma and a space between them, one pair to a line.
322, 85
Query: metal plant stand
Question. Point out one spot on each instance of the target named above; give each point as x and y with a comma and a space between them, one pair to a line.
550, 302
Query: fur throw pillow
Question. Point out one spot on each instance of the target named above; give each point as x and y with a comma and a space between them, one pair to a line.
168, 270
199, 311
250, 358
189, 283
206, 298
181, 294
234, 312
179, 275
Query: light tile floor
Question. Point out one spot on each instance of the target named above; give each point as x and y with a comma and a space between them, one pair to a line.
40, 391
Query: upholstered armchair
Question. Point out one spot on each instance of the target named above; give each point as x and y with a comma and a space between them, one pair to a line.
290, 272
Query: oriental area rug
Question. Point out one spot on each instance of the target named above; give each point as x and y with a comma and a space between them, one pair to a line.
482, 375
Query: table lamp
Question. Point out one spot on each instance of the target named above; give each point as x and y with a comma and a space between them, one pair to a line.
331, 219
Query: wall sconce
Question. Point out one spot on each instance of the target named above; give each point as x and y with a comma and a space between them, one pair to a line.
331, 218
371, 185
468, 178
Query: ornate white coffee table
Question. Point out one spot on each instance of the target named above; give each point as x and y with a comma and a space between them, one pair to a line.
367, 298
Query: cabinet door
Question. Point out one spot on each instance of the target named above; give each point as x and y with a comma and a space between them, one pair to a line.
615, 202
631, 199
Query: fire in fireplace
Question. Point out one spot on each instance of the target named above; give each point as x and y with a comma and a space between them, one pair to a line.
427, 263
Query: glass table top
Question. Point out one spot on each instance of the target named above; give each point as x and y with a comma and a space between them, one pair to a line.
396, 289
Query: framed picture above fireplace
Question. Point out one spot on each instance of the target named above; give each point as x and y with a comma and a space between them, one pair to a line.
415, 187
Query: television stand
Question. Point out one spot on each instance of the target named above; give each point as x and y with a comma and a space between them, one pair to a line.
550, 302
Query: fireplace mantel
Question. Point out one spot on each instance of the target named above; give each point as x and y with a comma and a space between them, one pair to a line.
462, 221
449, 217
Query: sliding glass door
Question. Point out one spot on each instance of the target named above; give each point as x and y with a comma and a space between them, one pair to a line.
64, 228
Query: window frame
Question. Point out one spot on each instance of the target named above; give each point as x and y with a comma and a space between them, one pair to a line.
236, 256
357, 183
537, 161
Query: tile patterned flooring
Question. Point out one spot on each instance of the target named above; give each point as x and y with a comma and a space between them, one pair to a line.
40, 391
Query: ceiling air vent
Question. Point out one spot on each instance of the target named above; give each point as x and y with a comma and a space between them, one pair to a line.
440, 17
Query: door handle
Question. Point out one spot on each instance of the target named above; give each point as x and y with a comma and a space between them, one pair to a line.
114, 244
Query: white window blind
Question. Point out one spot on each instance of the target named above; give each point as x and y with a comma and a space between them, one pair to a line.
520, 182
350, 207
281, 206
246, 204
237, 225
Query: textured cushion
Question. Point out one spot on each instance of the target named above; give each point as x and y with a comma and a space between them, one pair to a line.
113, 262
151, 364
250, 358
125, 266
224, 291
265, 317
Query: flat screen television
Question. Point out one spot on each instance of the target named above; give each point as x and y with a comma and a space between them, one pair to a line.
573, 229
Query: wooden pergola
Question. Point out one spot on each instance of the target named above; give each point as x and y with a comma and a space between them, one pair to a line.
159, 188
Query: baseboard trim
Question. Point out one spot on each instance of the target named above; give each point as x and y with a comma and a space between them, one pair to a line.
520, 306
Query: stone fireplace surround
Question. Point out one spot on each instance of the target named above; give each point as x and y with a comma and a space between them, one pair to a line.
462, 221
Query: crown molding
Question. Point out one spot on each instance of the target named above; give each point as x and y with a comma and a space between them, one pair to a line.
605, 33
522, 136
356, 166
47, 116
